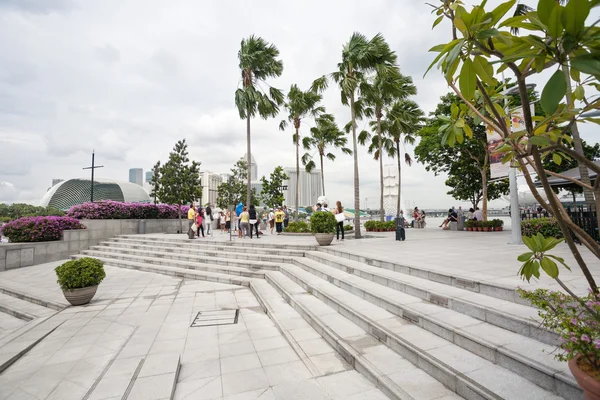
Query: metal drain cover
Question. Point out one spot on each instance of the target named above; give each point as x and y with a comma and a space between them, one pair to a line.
216, 317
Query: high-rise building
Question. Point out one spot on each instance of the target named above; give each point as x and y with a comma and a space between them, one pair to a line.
253, 167
136, 175
210, 183
310, 187
149, 176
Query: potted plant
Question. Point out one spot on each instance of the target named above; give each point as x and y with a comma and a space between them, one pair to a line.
79, 279
469, 225
477, 226
322, 224
499, 224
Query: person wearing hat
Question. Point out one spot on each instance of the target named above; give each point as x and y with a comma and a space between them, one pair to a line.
279, 217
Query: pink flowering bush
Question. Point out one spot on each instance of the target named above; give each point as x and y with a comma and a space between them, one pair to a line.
119, 210
39, 229
577, 321
548, 227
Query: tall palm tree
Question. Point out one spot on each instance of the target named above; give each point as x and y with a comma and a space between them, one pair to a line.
258, 61
379, 94
300, 105
360, 56
325, 134
403, 120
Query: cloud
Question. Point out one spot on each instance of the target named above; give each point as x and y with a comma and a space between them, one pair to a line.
38, 6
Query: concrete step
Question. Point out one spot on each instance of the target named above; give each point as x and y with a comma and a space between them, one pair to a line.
389, 371
203, 264
174, 271
236, 243
487, 288
525, 356
463, 371
8, 323
24, 296
190, 254
22, 309
516, 318
204, 245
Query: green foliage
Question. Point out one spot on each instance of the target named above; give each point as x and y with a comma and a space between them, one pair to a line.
550, 164
322, 222
177, 181
80, 273
18, 210
385, 226
272, 194
537, 257
548, 227
298, 227
348, 227
233, 191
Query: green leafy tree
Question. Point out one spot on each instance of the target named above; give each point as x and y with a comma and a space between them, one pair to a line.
233, 191
258, 61
272, 189
557, 40
323, 135
300, 105
155, 182
177, 181
379, 93
18, 210
360, 57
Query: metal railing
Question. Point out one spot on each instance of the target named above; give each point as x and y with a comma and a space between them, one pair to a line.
586, 218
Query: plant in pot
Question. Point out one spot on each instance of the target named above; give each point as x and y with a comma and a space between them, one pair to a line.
368, 225
469, 225
478, 226
79, 279
322, 224
498, 223
576, 319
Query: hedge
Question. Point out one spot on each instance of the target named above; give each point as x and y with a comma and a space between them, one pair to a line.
119, 210
548, 227
39, 229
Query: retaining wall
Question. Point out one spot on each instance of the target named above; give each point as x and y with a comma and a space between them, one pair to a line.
17, 255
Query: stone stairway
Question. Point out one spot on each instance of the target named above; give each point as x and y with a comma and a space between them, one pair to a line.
414, 334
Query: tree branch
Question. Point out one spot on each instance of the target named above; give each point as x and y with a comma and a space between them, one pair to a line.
476, 111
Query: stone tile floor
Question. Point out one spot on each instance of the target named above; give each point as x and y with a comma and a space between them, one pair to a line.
139, 315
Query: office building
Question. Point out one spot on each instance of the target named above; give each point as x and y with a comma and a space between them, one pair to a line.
149, 175
310, 187
210, 183
253, 167
136, 175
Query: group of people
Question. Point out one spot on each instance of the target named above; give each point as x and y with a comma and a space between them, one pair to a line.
338, 211
474, 214
198, 218
418, 218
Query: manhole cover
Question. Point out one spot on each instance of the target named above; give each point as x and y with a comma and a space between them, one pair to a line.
216, 317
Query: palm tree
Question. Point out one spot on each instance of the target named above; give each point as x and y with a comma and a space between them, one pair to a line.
325, 134
378, 94
258, 61
300, 105
360, 56
403, 120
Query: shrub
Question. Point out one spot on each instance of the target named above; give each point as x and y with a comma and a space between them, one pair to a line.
298, 227
39, 229
370, 225
349, 227
119, 210
548, 227
322, 222
80, 273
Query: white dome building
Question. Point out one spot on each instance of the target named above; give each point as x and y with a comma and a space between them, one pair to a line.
71, 192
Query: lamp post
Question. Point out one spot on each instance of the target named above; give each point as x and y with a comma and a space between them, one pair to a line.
93, 167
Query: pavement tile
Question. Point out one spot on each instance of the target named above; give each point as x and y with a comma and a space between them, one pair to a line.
239, 363
156, 387
277, 356
239, 382
310, 389
283, 374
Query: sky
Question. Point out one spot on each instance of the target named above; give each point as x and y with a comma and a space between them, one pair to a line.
129, 79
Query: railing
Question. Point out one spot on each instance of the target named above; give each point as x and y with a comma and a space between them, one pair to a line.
586, 218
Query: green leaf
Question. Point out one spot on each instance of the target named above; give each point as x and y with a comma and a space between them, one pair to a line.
586, 64
550, 267
437, 21
540, 63
544, 9
555, 27
528, 241
467, 80
557, 159
468, 131
560, 260
460, 123
579, 93
575, 75
574, 15
460, 25
487, 33
501, 11
525, 256
553, 92
484, 70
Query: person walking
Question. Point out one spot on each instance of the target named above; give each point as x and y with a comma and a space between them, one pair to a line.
279, 217
244, 223
200, 221
253, 221
227, 221
209, 219
222, 221
339, 217
191, 218
271, 220
286, 219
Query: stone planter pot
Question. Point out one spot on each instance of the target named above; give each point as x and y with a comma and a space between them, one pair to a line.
324, 239
78, 297
589, 385
498, 229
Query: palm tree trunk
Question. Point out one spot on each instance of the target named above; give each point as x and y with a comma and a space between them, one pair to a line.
322, 174
297, 170
248, 160
381, 211
398, 204
357, 234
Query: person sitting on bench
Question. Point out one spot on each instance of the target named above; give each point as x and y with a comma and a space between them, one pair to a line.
452, 217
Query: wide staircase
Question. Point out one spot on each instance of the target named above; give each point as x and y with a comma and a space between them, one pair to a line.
414, 334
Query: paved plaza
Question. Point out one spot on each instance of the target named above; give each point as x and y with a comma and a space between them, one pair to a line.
434, 317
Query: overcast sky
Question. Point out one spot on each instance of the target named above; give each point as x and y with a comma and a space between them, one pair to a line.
130, 78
